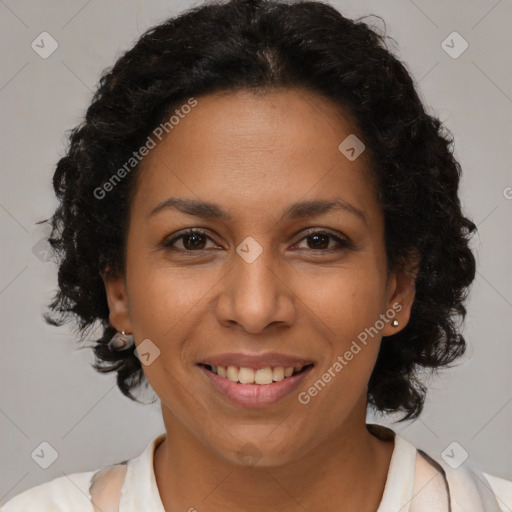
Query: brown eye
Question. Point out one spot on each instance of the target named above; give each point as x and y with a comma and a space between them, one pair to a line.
194, 241
191, 240
319, 241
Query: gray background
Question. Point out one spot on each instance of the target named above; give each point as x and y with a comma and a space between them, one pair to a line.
49, 391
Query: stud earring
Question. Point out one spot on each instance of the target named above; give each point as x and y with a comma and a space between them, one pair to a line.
120, 341
394, 323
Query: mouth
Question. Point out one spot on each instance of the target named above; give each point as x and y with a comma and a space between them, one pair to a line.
259, 376
260, 385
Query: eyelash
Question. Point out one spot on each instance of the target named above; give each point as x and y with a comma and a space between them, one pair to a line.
342, 243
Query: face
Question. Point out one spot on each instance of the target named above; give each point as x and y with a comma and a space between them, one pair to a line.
269, 279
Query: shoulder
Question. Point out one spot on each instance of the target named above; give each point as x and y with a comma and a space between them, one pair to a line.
92, 491
65, 493
502, 489
466, 488
79, 492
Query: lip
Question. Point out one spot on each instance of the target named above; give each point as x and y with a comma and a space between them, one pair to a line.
255, 395
256, 361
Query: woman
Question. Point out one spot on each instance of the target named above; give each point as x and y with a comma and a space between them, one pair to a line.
265, 220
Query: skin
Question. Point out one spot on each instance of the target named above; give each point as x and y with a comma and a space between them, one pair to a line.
254, 154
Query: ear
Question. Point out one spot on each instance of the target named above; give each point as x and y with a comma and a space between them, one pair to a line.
401, 291
115, 287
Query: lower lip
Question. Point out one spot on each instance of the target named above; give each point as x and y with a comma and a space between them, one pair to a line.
255, 395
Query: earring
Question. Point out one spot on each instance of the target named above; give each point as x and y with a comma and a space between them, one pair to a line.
394, 323
120, 341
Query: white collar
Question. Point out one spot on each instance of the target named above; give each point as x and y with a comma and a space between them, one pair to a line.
140, 491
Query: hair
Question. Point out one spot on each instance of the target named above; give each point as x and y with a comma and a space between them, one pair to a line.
228, 46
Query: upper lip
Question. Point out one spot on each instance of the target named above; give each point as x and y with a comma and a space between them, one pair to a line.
256, 360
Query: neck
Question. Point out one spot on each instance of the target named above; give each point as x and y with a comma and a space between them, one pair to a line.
345, 472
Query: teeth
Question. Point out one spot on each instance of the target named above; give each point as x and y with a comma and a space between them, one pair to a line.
260, 376
263, 376
232, 373
246, 375
278, 373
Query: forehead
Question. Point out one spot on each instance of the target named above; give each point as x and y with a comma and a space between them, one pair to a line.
254, 150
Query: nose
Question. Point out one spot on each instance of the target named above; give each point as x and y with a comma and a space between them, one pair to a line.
256, 295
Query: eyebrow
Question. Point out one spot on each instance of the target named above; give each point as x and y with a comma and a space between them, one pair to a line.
295, 211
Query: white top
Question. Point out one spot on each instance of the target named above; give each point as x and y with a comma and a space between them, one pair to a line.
413, 485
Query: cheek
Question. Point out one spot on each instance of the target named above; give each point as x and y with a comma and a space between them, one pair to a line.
166, 304
161, 295
347, 301
349, 306
346, 307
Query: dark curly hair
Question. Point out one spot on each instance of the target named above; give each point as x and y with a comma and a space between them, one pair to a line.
263, 45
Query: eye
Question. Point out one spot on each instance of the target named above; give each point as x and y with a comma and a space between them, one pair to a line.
319, 240
193, 239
